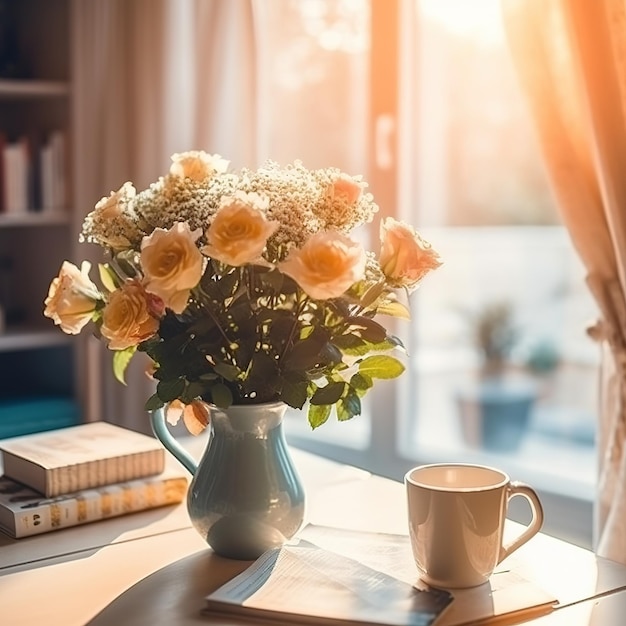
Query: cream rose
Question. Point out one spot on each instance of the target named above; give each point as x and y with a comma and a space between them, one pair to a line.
172, 264
127, 318
239, 230
197, 165
110, 221
347, 188
327, 264
405, 257
72, 298
112, 206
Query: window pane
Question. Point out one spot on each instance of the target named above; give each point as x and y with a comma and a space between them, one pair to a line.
315, 82
501, 370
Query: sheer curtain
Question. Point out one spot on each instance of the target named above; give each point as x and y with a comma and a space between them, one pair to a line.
571, 57
150, 78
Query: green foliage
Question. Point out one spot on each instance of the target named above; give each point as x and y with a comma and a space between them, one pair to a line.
543, 357
121, 359
108, 277
251, 335
381, 366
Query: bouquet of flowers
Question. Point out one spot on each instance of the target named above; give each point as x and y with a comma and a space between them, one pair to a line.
245, 287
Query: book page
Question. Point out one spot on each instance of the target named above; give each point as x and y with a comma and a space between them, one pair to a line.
318, 585
368, 578
506, 591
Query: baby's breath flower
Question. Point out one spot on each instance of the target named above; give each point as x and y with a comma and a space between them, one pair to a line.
173, 199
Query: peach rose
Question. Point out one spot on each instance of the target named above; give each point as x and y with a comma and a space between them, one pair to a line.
347, 188
239, 230
172, 264
112, 206
405, 257
196, 415
197, 165
111, 221
327, 264
127, 318
72, 298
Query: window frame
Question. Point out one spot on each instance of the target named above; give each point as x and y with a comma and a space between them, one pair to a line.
392, 159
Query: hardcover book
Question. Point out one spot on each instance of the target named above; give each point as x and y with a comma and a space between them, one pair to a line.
24, 512
81, 457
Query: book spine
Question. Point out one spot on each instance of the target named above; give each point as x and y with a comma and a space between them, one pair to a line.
98, 504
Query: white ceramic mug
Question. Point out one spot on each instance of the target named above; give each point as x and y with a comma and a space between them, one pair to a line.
456, 521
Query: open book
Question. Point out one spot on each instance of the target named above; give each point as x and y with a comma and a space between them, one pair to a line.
335, 576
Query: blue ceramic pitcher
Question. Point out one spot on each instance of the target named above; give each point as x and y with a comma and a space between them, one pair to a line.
245, 496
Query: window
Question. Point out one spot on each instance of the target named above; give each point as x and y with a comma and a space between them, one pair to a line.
469, 176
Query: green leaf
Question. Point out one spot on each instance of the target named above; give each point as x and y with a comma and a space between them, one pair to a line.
108, 278
348, 342
329, 394
273, 279
381, 366
169, 390
221, 395
305, 353
192, 391
361, 382
330, 354
208, 376
395, 309
348, 407
121, 359
262, 368
372, 294
318, 414
365, 347
368, 329
153, 403
294, 393
227, 371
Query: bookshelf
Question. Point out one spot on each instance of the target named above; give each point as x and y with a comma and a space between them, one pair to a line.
38, 388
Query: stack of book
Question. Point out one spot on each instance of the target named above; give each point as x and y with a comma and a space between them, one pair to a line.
82, 474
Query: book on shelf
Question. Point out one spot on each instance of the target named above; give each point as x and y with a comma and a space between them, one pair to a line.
15, 173
337, 576
81, 457
24, 512
33, 173
53, 157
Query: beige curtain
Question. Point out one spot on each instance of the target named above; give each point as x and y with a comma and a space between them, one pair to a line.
571, 57
150, 78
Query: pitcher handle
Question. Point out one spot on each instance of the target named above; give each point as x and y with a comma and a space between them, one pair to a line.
162, 433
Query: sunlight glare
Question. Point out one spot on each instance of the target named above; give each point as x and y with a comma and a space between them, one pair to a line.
479, 19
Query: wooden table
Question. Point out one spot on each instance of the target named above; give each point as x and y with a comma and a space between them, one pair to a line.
152, 568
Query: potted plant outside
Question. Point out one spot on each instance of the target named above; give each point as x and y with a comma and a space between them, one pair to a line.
495, 411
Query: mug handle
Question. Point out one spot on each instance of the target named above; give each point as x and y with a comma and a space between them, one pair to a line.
521, 489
